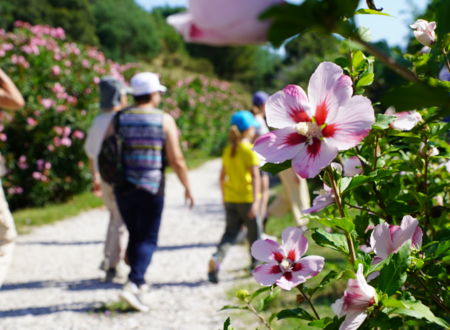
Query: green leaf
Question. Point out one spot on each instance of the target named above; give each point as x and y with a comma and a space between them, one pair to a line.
227, 307
383, 121
412, 308
362, 179
393, 275
365, 80
364, 11
333, 241
258, 292
345, 224
418, 96
276, 168
332, 275
322, 323
298, 313
227, 324
358, 59
265, 302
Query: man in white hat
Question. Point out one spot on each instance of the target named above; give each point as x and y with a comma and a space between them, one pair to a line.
150, 140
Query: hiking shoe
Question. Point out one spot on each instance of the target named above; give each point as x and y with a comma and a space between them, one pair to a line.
213, 271
110, 274
133, 296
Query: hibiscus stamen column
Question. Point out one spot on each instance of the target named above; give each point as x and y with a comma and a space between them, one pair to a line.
337, 197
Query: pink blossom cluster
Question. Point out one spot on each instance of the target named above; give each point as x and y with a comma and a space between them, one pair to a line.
41, 30
16, 190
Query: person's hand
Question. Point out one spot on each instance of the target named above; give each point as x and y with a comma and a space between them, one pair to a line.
188, 198
96, 190
253, 210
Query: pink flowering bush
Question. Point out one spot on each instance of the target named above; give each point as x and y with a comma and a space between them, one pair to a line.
42, 142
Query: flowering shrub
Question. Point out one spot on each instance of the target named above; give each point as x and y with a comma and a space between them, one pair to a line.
386, 209
43, 143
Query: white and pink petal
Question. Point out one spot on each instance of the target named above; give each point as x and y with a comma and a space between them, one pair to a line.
351, 124
295, 243
380, 240
279, 145
311, 159
310, 267
267, 274
266, 250
288, 107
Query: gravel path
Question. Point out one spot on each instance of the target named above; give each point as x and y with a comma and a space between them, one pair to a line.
54, 281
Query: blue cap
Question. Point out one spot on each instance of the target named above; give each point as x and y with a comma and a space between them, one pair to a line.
244, 119
259, 98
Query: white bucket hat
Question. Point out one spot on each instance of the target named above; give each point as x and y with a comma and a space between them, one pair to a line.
146, 83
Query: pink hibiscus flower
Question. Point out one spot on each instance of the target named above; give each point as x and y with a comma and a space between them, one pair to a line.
218, 22
324, 198
352, 166
284, 265
312, 129
357, 298
424, 32
387, 239
406, 120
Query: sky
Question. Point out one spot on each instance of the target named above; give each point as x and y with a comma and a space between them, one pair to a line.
394, 29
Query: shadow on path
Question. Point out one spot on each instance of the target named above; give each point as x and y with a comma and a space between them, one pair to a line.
186, 246
60, 243
90, 284
36, 311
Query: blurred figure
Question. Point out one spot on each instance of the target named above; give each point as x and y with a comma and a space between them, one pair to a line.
112, 98
10, 99
259, 100
150, 137
294, 197
240, 185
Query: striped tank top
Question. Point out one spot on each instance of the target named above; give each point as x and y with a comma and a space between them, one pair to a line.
143, 153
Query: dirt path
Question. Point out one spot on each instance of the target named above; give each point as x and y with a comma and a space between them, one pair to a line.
54, 281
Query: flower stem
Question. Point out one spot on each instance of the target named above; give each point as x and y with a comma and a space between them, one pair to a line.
365, 209
309, 301
259, 316
436, 299
388, 61
337, 198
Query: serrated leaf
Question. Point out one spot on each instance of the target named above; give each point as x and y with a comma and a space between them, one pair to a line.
333, 241
365, 80
393, 275
298, 313
412, 308
276, 168
364, 11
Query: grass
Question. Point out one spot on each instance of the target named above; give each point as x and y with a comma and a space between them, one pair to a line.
322, 300
114, 308
38, 216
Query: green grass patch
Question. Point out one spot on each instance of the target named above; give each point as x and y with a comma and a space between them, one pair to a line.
114, 308
38, 216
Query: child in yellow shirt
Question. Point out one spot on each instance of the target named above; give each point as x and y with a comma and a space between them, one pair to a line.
240, 184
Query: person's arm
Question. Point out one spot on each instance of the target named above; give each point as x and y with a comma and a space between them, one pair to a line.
175, 156
256, 183
222, 182
96, 189
10, 97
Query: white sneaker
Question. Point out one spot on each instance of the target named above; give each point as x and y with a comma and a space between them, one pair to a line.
132, 295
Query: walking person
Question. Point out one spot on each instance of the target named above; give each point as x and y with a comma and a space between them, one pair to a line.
150, 139
10, 99
240, 185
259, 100
112, 98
